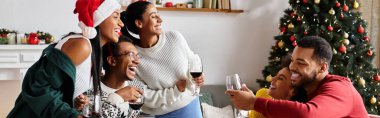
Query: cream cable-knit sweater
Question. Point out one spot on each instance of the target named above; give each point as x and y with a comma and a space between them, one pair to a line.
161, 66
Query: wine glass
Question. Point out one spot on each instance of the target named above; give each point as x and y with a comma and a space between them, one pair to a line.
233, 82
196, 69
135, 106
93, 108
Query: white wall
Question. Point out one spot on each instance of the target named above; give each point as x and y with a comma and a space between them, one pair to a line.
228, 43
231, 43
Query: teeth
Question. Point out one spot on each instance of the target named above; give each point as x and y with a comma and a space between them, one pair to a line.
133, 68
294, 75
271, 86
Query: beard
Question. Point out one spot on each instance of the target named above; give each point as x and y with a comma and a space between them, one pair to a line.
305, 79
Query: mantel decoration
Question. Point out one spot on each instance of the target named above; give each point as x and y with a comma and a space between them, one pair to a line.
12, 37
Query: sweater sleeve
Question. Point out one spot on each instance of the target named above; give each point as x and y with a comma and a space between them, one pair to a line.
45, 97
334, 100
111, 107
183, 44
157, 98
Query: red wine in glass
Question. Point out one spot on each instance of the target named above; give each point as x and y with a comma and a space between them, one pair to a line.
195, 74
136, 106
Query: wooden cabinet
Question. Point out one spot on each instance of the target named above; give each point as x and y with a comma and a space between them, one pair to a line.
16, 59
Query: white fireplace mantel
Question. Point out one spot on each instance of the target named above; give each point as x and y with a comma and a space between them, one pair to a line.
16, 59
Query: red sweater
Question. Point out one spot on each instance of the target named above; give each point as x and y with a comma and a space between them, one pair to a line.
334, 98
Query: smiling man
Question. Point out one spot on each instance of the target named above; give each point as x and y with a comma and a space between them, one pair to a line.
329, 96
120, 62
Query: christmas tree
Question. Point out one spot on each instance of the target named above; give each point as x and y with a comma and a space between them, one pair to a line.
341, 24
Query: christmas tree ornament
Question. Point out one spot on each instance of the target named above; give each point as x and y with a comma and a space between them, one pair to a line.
283, 29
342, 49
331, 11
317, 1
337, 4
373, 100
294, 43
361, 82
356, 4
360, 29
290, 26
345, 8
376, 77
330, 28
366, 38
304, 1
299, 19
341, 16
346, 41
269, 78
345, 35
280, 44
305, 32
292, 38
369, 53
292, 14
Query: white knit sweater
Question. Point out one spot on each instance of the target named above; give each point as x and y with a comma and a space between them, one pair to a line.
161, 66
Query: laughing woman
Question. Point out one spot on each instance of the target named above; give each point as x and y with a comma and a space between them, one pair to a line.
164, 64
65, 69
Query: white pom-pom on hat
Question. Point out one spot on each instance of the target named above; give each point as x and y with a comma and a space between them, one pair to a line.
93, 12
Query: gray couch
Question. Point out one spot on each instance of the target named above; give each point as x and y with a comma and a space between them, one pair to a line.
219, 99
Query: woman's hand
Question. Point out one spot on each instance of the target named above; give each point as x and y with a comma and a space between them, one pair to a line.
181, 85
130, 93
80, 102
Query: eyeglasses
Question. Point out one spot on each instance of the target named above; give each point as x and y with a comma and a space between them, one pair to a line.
131, 55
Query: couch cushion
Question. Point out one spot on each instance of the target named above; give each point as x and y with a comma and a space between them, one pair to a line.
206, 98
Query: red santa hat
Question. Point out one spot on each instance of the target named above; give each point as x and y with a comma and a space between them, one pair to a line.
93, 12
